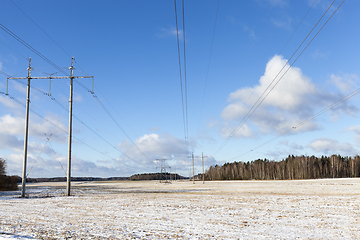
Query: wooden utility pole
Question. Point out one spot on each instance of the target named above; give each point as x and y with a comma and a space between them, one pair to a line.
23, 183
72, 77
68, 182
193, 168
193, 157
202, 158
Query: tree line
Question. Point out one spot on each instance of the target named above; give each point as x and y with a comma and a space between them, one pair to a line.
155, 176
74, 179
6, 182
293, 167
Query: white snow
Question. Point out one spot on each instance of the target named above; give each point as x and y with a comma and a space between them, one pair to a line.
297, 209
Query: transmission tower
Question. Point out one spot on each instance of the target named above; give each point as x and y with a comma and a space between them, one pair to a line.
29, 77
193, 167
163, 173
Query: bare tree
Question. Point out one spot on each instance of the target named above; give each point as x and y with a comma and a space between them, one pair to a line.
2, 167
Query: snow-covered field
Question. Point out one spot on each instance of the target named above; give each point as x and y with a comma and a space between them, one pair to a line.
298, 209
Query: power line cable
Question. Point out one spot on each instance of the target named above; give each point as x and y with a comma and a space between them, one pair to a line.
105, 109
185, 75
56, 155
31, 48
113, 108
40, 28
264, 94
44, 31
208, 67
100, 124
185, 80
5, 74
295, 59
312, 5
48, 141
112, 118
54, 65
65, 131
84, 124
14, 50
181, 81
298, 125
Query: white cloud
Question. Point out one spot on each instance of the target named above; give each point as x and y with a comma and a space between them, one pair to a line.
356, 130
292, 145
286, 23
243, 131
293, 99
320, 55
322, 4
289, 94
248, 30
15, 126
82, 167
11, 125
166, 32
155, 146
14, 163
78, 97
9, 141
346, 83
6, 101
277, 2
155, 129
272, 3
323, 145
277, 154
331, 146
20, 87
50, 166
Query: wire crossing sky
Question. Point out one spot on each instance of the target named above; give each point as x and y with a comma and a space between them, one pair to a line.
232, 55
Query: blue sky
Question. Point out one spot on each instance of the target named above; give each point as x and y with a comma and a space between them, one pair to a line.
130, 47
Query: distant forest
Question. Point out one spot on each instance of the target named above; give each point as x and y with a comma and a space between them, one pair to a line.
6, 182
299, 167
156, 176
64, 179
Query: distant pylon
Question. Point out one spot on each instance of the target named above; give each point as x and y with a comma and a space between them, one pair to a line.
163, 173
